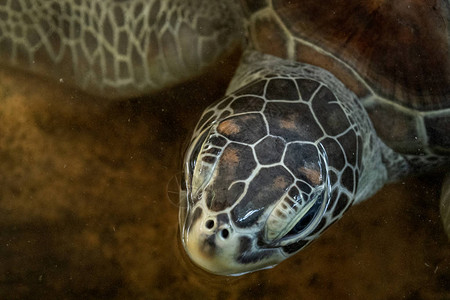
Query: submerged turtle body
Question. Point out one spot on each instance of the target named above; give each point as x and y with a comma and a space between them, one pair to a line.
393, 56
292, 146
330, 101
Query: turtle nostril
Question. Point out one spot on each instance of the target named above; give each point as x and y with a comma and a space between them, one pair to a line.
209, 224
224, 233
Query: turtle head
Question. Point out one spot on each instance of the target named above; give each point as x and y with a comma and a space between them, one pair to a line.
250, 204
272, 165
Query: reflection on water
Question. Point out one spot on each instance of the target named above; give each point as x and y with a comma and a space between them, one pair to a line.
84, 210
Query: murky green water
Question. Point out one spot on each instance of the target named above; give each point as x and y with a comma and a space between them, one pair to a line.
84, 211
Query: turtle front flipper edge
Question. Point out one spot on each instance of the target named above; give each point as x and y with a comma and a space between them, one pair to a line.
116, 49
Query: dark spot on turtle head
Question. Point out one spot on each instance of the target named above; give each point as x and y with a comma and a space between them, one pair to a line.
348, 180
245, 244
224, 103
218, 141
330, 114
341, 205
307, 88
206, 119
360, 146
269, 150
348, 142
294, 193
304, 187
281, 89
247, 256
253, 88
223, 219
224, 114
208, 245
246, 104
336, 157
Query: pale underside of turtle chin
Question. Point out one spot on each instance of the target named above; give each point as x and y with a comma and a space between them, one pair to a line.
234, 255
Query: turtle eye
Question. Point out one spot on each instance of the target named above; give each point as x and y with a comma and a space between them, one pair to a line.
311, 214
305, 222
296, 223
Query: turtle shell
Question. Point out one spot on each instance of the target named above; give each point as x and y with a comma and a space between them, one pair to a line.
394, 55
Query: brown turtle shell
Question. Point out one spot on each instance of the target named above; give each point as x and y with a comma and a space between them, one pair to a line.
393, 54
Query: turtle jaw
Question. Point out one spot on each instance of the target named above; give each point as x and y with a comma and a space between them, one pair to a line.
232, 255
204, 251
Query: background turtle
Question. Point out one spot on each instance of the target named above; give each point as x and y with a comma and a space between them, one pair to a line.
129, 48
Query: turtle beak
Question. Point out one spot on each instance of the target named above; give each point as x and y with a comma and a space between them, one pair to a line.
207, 248
230, 254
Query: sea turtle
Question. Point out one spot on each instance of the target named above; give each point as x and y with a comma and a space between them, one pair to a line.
331, 101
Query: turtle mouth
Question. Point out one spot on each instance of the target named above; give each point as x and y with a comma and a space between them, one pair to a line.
235, 255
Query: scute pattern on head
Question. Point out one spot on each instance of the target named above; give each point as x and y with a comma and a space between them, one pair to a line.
308, 84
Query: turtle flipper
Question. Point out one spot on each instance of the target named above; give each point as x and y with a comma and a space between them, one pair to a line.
445, 204
115, 48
